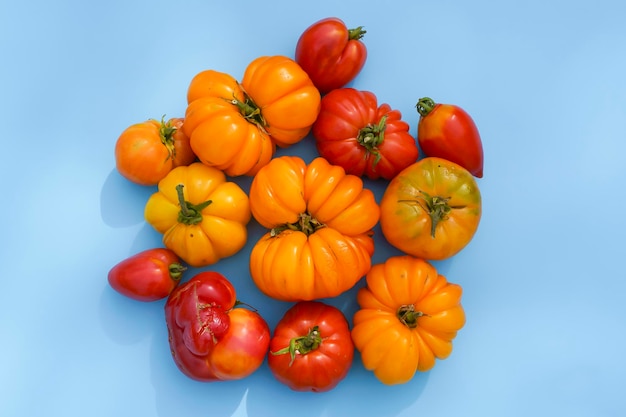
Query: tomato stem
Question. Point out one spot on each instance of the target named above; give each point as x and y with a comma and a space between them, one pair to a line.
356, 33
189, 213
371, 136
306, 224
408, 315
250, 111
425, 105
166, 134
436, 207
176, 271
301, 345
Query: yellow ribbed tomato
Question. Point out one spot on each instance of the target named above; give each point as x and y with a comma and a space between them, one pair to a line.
320, 219
202, 216
408, 317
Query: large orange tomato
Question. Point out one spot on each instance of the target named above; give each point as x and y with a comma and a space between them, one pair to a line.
408, 317
320, 219
431, 209
287, 100
145, 152
225, 131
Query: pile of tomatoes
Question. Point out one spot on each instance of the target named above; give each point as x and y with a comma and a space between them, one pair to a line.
319, 218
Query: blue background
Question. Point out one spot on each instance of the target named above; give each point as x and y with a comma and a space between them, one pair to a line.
543, 279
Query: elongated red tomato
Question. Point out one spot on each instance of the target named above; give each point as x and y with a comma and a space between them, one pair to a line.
331, 54
449, 132
311, 349
354, 132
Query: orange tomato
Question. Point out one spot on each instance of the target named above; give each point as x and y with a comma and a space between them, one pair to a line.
408, 317
431, 209
146, 152
287, 99
320, 219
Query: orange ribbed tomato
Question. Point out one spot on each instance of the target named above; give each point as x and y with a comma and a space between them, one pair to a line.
320, 219
223, 130
408, 317
287, 100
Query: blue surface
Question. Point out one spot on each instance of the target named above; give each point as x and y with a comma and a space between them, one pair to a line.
543, 279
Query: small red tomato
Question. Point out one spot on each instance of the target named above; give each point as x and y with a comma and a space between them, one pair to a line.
210, 339
145, 152
311, 349
147, 276
331, 54
354, 132
449, 132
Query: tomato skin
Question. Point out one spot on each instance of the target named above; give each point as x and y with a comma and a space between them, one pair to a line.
210, 338
330, 53
320, 219
431, 209
449, 132
409, 315
145, 152
354, 132
330, 358
149, 275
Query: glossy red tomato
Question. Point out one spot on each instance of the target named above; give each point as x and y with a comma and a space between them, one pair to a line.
147, 276
354, 132
211, 338
331, 54
311, 349
449, 132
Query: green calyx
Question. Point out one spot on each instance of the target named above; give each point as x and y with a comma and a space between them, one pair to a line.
189, 214
176, 271
306, 224
371, 136
250, 111
436, 207
166, 134
301, 345
356, 33
408, 315
425, 105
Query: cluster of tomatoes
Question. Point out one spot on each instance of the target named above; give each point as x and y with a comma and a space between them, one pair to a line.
319, 218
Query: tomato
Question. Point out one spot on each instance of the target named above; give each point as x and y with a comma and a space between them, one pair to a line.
449, 132
224, 126
203, 217
354, 132
311, 348
331, 54
145, 152
211, 337
149, 275
282, 96
409, 315
320, 221
431, 209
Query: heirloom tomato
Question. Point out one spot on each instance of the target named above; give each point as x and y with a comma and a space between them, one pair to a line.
145, 152
149, 275
311, 348
354, 132
431, 209
320, 219
282, 96
224, 126
331, 54
202, 216
408, 317
211, 337
449, 132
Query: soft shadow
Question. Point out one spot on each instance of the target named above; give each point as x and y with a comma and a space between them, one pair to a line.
119, 200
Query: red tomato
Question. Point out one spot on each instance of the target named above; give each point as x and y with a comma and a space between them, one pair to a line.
331, 54
449, 132
147, 276
311, 349
352, 131
210, 339
146, 152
